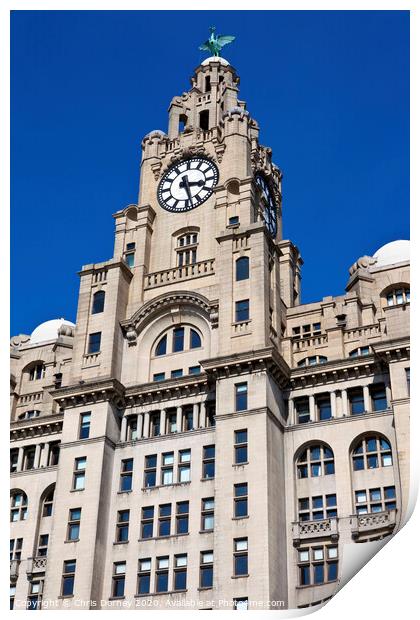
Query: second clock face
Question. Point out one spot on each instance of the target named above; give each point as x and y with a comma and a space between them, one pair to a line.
187, 184
270, 211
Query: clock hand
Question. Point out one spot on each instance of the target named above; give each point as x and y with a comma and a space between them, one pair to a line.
186, 185
191, 183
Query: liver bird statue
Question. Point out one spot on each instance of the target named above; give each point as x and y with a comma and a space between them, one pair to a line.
216, 41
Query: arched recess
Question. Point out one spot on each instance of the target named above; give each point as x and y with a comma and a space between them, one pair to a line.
18, 505
44, 519
160, 315
395, 294
315, 481
374, 476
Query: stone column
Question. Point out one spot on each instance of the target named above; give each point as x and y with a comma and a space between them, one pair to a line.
146, 425
139, 425
196, 412
123, 435
37, 455
20, 460
162, 422
178, 419
344, 403
333, 400
366, 398
312, 413
45, 455
291, 407
202, 415
388, 393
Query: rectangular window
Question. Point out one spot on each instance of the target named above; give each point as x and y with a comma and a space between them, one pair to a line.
94, 343
208, 461
123, 522
79, 473
182, 517
323, 404
129, 259
317, 507
155, 424
162, 573
132, 432
171, 420
150, 463
159, 376
118, 580
43, 545
234, 220
357, 405
187, 418
175, 374
143, 576
67, 579
206, 569
73, 526
16, 548
180, 572
167, 471
378, 396
207, 514
242, 311
178, 340
240, 502
240, 604
241, 446
126, 475
210, 413
241, 396
164, 521
84, 425
240, 557
407, 378
302, 410
194, 370
184, 466
375, 500
318, 565
146, 526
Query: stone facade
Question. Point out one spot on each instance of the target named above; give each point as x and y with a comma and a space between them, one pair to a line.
281, 429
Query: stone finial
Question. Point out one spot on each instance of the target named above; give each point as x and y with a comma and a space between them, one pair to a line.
364, 262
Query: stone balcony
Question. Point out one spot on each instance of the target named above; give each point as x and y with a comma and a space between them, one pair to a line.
302, 344
14, 570
36, 565
176, 274
309, 530
373, 523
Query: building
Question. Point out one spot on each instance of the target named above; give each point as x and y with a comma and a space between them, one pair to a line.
200, 438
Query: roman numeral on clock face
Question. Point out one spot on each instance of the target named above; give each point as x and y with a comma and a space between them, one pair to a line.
187, 184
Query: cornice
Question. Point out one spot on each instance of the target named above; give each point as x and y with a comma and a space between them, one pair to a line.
155, 392
336, 370
90, 392
37, 427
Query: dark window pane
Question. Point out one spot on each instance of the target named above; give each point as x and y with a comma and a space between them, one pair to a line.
241, 565
161, 347
206, 577
241, 454
144, 584
208, 470
73, 532
242, 268
241, 397
178, 340
147, 530
304, 576
329, 467
68, 583
324, 409
182, 507
162, 582
119, 587
372, 461
358, 463
164, 528
319, 573
150, 479
209, 452
94, 342
242, 310
332, 571
182, 525
126, 482
98, 302
241, 508
180, 580
150, 461
195, 340
241, 436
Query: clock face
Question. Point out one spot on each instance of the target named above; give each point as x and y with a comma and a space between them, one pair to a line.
187, 184
270, 211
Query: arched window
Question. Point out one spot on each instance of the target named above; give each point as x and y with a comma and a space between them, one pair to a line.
398, 295
314, 461
18, 506
178, 339
359, 352
195, 340
312, 360
242, 268
28, 415
372, 452
48, 502
186, 249
37, 371
98, 302
161, 346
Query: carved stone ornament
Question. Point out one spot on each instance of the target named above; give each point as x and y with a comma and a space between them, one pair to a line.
364, 262
131, 335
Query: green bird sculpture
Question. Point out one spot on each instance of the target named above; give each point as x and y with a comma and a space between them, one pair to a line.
216, 41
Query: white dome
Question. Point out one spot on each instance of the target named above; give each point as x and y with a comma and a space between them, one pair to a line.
48, 330
222, 61
392, 253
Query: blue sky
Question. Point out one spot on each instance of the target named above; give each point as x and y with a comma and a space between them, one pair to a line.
330, 90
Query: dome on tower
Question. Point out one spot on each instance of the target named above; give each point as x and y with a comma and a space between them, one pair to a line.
50, 330
392, 253
222, 61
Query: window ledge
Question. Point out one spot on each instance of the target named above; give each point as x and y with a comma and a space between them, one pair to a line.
205, 479
116, 598
72, 541
205, 588
160, 593
315, 585
240, 518
124, 492
240, 464
163, 486
121, 542
205, 531
239, 576
163, 537
76, 490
